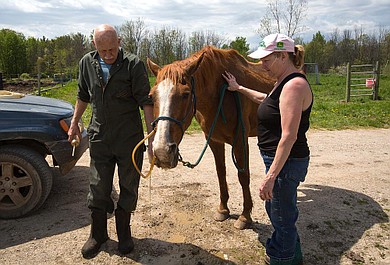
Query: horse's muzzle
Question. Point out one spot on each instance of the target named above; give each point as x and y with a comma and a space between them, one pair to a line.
167, 156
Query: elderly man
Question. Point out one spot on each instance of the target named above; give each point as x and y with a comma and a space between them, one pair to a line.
116, 86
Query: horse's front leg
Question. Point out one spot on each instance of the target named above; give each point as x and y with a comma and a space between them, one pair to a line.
242, 158
218, 150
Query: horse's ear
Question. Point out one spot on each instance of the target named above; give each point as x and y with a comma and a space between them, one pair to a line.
192, 67
154, 68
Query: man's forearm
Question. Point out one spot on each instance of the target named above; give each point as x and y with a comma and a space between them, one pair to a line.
80, 107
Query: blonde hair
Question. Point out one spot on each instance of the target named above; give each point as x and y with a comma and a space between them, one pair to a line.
298, 56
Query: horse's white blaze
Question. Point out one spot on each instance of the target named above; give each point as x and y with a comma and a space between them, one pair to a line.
160, 139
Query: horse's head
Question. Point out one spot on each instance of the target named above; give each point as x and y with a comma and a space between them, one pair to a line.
174, 106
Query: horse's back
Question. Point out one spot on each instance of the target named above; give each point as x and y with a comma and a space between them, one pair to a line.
249, 74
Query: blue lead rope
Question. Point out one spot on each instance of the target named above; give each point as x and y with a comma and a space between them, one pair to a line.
240, 124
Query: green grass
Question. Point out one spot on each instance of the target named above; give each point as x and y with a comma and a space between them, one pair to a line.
330, 111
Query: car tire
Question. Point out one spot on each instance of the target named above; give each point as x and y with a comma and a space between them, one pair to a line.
25, 181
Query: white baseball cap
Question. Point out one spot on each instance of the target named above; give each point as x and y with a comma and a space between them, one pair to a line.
273, 43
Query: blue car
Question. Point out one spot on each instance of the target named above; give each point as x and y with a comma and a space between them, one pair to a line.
32, 129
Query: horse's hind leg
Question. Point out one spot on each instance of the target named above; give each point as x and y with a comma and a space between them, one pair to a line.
245, 220
218, 150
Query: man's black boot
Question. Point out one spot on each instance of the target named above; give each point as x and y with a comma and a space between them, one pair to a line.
98, 234
122, 220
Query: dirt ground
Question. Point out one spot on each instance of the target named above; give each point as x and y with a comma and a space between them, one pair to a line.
28, 86
344, 211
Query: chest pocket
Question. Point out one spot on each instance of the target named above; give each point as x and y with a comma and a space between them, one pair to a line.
124, 93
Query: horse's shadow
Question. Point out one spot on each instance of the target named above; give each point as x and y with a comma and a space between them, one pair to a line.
331, 221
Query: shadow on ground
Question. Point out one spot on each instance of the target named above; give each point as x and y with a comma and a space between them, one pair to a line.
334, 220
63, 211
331, 221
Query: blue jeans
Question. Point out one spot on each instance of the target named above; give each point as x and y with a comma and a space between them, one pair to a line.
282, 209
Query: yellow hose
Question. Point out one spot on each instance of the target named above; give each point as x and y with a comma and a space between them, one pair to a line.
153, 159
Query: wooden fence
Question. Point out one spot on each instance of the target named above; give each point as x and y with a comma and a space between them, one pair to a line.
362, 80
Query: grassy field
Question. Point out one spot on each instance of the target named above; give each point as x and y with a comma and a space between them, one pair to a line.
330, 111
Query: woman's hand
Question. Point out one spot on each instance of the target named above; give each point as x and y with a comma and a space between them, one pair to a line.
233, 85
266, 188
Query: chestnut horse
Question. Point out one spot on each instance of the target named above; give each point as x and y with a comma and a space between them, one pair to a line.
192, 87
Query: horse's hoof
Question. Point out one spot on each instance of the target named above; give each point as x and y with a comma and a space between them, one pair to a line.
241, 224
221, 216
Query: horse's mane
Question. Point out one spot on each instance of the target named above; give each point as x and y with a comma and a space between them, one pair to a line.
215, 62
175, 70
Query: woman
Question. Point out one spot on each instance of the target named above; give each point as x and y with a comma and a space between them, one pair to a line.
283, 119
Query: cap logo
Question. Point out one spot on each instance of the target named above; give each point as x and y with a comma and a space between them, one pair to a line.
262, 44
280, 45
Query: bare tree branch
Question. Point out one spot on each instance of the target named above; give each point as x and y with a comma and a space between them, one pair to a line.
283, 16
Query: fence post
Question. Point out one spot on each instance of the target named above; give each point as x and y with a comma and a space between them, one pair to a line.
39, 62
376, 84
1, 81
39, 82
348, 83
317, 75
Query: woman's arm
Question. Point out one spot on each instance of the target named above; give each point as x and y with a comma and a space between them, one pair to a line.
253, 95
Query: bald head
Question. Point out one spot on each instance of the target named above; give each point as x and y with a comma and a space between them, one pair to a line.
104, 32
106, 42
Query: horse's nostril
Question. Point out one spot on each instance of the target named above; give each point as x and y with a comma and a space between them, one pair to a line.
172, 148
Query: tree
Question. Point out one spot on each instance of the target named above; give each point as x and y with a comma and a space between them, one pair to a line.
132, 34
32, 51
200, 39
283, 16
80, 45
240, 45
385, 51
12, 52
167, 45
333, 51
315, 50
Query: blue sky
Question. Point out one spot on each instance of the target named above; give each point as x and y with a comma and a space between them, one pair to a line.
53, 18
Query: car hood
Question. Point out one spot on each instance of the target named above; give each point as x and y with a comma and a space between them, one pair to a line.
30, 103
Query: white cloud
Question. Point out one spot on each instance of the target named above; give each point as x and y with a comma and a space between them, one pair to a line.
230, 18
31, 6
329, 16
72, 4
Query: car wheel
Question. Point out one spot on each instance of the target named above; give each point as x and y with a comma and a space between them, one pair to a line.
25, 181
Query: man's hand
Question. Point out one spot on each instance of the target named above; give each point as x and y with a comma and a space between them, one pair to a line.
74, 132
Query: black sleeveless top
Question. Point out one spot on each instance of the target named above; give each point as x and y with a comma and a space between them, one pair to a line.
269, 128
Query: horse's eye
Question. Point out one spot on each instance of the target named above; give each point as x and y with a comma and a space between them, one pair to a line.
152, 93
183, 82
185, 95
